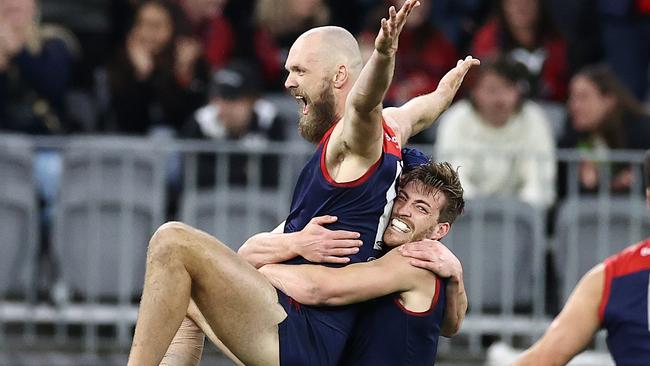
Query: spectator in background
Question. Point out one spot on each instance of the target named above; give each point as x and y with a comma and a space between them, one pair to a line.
277, 25
211, 28
501, 141
459, 19
35, 63
604, 116
523, 30
158, 78
626, 41
423, 57
237, 113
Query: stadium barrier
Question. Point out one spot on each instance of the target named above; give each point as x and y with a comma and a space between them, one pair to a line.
114, 191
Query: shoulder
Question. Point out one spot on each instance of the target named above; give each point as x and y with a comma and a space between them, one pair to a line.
633, 258
533, 115
206, 123
394, 120
268, 118
400, 265
55, 36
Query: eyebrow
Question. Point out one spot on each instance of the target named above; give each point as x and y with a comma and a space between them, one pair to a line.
295, 68
416, 201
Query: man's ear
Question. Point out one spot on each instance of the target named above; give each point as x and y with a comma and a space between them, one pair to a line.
340, 77
440, 230
647, 197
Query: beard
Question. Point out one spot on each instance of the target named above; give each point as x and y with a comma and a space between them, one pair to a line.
393, 239
320, 118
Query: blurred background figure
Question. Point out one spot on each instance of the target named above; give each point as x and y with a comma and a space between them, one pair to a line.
208, 25
236, 112
523, 29
501, 141
423, 57
158, 78
35, 62
282, 21
604, 116
626, 41
35, 69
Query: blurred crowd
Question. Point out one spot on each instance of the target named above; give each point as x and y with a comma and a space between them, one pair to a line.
204, 69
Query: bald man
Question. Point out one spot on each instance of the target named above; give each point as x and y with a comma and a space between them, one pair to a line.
352, 175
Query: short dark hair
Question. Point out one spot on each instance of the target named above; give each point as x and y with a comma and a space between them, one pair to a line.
439, 177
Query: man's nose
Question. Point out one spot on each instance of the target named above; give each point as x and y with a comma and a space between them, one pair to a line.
401, 209
290, 82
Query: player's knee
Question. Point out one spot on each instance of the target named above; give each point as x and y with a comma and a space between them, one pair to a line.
168, 239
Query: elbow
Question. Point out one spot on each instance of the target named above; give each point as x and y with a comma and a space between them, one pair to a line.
363, 105
246, 252
450, 328
322, 293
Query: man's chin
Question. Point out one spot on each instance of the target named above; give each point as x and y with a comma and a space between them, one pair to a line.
392, 239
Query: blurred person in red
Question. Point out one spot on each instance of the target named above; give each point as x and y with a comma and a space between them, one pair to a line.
603, 116
423, 57
276, 25
158, 79
211, 28
523, 30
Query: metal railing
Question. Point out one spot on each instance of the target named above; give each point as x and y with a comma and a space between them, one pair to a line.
94, 306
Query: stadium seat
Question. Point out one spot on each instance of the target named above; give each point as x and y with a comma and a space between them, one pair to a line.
233, 215
111, 201
19, 226
589, 229
500, 243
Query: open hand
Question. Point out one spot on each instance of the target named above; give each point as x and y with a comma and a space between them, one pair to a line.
140, 56
387, 39
454, 78
433, 256
318, 244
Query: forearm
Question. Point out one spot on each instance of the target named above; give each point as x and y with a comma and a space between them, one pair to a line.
297, 281
455, 306
426, 108
369, 90
267, 248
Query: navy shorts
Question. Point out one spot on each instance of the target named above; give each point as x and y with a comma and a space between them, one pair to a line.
305, 340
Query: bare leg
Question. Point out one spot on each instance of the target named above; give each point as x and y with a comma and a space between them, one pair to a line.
186, 347
238, 303
194, 313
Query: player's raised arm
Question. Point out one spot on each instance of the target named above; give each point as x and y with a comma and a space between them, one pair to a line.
420, 112
362, 130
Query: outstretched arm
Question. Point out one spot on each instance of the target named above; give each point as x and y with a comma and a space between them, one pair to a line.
573, 328
314, 243
361, 131
420, 112
320, 285
435, 257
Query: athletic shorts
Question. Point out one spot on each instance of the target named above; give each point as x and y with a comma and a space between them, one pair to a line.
305, 340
